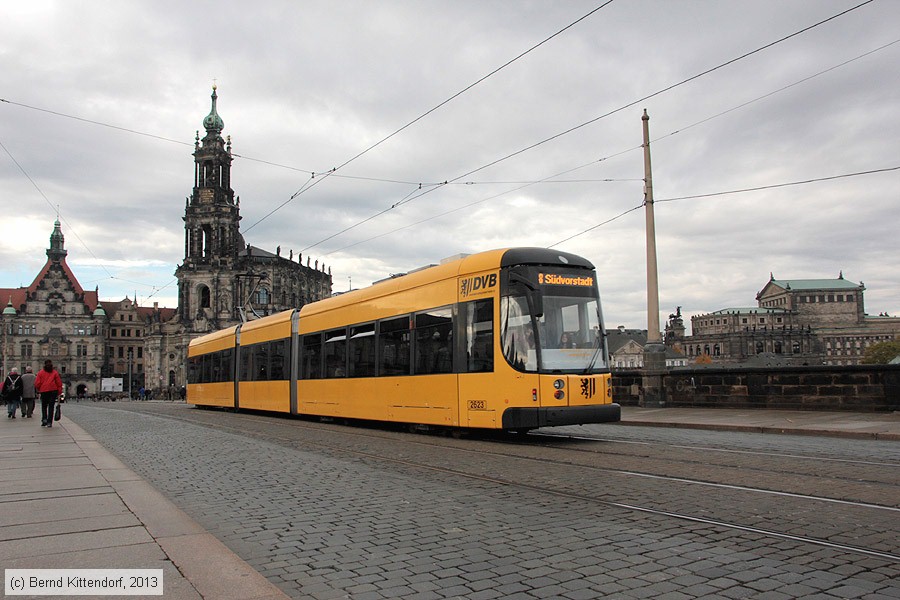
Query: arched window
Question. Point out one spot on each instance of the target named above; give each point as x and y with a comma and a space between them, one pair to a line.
760, 348
204, 296
716, 351
262, 296
207, 241
796, 347
778, 347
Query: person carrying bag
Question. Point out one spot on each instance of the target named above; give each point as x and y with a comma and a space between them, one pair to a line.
12, 392
49, 385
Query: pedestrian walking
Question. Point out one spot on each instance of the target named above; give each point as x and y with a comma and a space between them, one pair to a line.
49, 385
12, 392
28, 393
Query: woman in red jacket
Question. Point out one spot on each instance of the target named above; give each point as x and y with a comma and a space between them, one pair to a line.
49, 385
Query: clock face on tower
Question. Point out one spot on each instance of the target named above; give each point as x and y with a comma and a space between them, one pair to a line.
206, 195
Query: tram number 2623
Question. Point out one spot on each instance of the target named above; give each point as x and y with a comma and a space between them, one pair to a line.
476, 405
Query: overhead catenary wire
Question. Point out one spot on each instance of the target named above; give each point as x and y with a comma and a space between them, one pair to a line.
684, 128
70, 228
624, 107
778, 185
606, 222
729, 192
426, 113
404, 182
550, 178
59, 215
363, 222
402, 201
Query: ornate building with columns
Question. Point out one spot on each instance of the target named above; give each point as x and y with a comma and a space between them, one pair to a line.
796, 321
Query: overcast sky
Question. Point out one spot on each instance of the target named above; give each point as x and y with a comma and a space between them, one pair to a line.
306, 86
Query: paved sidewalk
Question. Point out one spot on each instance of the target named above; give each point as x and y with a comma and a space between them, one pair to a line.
872, 425
67, 503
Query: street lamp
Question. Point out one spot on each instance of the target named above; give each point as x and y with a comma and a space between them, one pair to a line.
9, 313
129, 374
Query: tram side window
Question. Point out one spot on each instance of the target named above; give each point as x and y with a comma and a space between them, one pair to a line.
227, 371
206, 368
279, 370
194, 364
246, 363
311, 368
479, 341
394, 347
215, 374
335, 351
362, 350
434, 341
261, 362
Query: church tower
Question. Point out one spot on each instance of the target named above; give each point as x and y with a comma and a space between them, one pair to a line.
223, 280
212, 235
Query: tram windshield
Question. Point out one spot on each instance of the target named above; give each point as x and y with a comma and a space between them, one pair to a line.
554, 327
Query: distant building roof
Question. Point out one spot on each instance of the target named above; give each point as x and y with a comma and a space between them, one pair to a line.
256, 252
816, 284
750, 309
617, 338
113, 307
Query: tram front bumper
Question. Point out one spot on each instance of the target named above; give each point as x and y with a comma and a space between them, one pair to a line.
555, 416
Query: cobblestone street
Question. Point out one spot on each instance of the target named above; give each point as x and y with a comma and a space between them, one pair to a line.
321, 523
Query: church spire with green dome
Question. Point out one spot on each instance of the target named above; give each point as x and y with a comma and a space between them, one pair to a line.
213, 123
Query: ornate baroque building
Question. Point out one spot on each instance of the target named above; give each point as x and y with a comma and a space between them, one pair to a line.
797, 321
222, 280
54, 318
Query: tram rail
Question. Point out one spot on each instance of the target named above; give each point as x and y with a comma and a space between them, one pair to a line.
799, 513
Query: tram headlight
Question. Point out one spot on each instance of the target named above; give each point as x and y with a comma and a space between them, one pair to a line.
559, 384
559, 395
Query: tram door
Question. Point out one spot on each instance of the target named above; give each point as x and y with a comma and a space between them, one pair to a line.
475, 360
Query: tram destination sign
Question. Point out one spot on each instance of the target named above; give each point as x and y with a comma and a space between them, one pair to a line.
570, 280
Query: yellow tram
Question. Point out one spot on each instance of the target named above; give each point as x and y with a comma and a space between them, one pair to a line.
506, 339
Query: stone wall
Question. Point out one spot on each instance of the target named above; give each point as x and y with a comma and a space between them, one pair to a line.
857, 388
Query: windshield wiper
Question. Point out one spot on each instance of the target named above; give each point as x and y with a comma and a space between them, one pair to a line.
594, 358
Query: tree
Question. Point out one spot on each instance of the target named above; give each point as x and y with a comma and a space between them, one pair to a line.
881, 353
703, 359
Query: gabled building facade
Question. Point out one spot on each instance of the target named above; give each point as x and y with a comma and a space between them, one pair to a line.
55, 318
